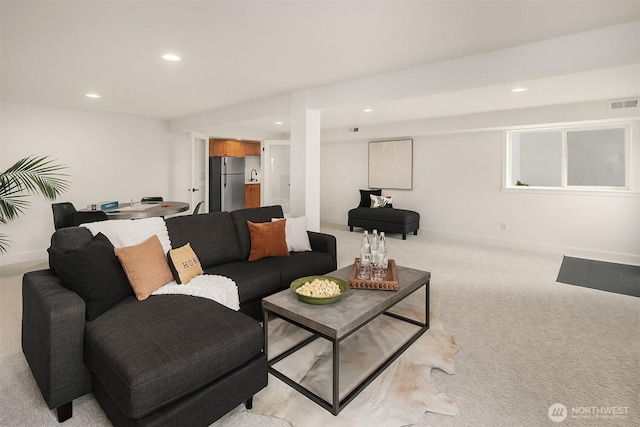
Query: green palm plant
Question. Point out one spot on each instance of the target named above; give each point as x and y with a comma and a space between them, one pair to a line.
32, 175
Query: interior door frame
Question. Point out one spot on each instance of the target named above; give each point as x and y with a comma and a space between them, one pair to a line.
196, 155
266, 185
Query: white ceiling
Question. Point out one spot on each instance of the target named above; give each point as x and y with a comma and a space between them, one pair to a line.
53, 53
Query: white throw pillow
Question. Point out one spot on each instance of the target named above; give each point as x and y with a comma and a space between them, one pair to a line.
380, 201
296, 234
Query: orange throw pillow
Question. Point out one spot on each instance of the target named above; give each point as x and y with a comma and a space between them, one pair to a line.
267, 239
146, 266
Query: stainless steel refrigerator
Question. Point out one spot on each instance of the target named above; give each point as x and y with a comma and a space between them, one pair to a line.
226, 185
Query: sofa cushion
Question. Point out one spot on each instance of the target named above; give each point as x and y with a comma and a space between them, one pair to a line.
93, 272
146, 266
255, 215
146, 361
254, 279
268, 239
212, 237
391, 215
300, 264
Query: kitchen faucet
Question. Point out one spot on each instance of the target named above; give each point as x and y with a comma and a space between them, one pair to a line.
252, 171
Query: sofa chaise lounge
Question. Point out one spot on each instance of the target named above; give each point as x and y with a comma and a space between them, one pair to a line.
170, 359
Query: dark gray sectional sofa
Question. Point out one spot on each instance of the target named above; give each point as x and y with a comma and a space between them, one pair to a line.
170, 359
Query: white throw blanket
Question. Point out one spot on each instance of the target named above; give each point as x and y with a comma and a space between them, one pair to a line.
218, 288
128, 232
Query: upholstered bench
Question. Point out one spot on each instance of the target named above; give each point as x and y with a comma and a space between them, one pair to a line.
389, 220
384, 218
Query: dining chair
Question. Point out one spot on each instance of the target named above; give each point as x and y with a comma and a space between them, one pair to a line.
62, 214
82, 217
152, 199
196, 210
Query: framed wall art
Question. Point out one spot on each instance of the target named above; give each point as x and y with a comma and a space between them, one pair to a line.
391, 164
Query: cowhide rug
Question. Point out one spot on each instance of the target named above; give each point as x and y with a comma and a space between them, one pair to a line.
399, 396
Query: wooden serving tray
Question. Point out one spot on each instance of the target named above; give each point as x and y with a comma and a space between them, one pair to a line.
388, 283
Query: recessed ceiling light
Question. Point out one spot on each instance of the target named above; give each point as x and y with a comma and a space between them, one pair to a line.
170, 57
368, 110
520, 89
92, 95
278, 123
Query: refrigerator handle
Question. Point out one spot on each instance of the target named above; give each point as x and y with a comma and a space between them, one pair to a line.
224, 171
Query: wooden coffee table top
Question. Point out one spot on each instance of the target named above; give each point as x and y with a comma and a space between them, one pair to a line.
354, 309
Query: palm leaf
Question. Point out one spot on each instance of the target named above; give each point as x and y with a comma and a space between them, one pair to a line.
13, 202
32, 175
4, 243
37, 175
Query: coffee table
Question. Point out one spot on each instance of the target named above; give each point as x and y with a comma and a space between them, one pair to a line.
337, 321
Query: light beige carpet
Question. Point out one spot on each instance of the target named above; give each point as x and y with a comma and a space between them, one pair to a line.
526, 343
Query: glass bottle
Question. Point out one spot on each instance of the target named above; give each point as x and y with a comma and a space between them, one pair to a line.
383, 254
374, 245
365, 249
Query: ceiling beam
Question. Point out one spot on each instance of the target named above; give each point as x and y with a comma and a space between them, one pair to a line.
591, 50
606, 47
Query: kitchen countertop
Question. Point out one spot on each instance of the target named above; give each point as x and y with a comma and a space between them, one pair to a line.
252, 182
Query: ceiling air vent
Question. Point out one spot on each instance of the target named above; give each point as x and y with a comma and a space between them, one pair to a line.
629, 103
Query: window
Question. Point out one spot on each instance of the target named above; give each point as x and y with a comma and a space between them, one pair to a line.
592, 158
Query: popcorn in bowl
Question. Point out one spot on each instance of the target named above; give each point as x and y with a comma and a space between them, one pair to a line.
319, 288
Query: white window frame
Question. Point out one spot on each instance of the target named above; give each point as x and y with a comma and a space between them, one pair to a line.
564, 187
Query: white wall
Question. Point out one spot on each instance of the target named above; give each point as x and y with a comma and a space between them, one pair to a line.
110, 157
456, 181
456, 191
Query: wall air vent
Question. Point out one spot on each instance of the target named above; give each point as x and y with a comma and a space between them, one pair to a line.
354, 129
628, 103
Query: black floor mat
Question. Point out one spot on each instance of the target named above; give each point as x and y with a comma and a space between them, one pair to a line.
605, 276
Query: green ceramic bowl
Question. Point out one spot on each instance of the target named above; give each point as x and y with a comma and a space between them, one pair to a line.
344, 287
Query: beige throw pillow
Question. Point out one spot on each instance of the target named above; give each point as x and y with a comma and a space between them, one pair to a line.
184, 264
146, 266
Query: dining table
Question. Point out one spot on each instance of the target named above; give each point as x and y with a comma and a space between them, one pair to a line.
137, 210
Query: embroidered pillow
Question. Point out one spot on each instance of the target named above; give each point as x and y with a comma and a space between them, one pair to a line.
268, 239
146, 266
184, 264
380, 201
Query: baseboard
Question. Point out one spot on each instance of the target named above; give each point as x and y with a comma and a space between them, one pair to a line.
617, 257
335, 221
8, 259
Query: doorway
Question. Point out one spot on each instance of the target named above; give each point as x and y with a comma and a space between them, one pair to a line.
199, 171
276, 172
